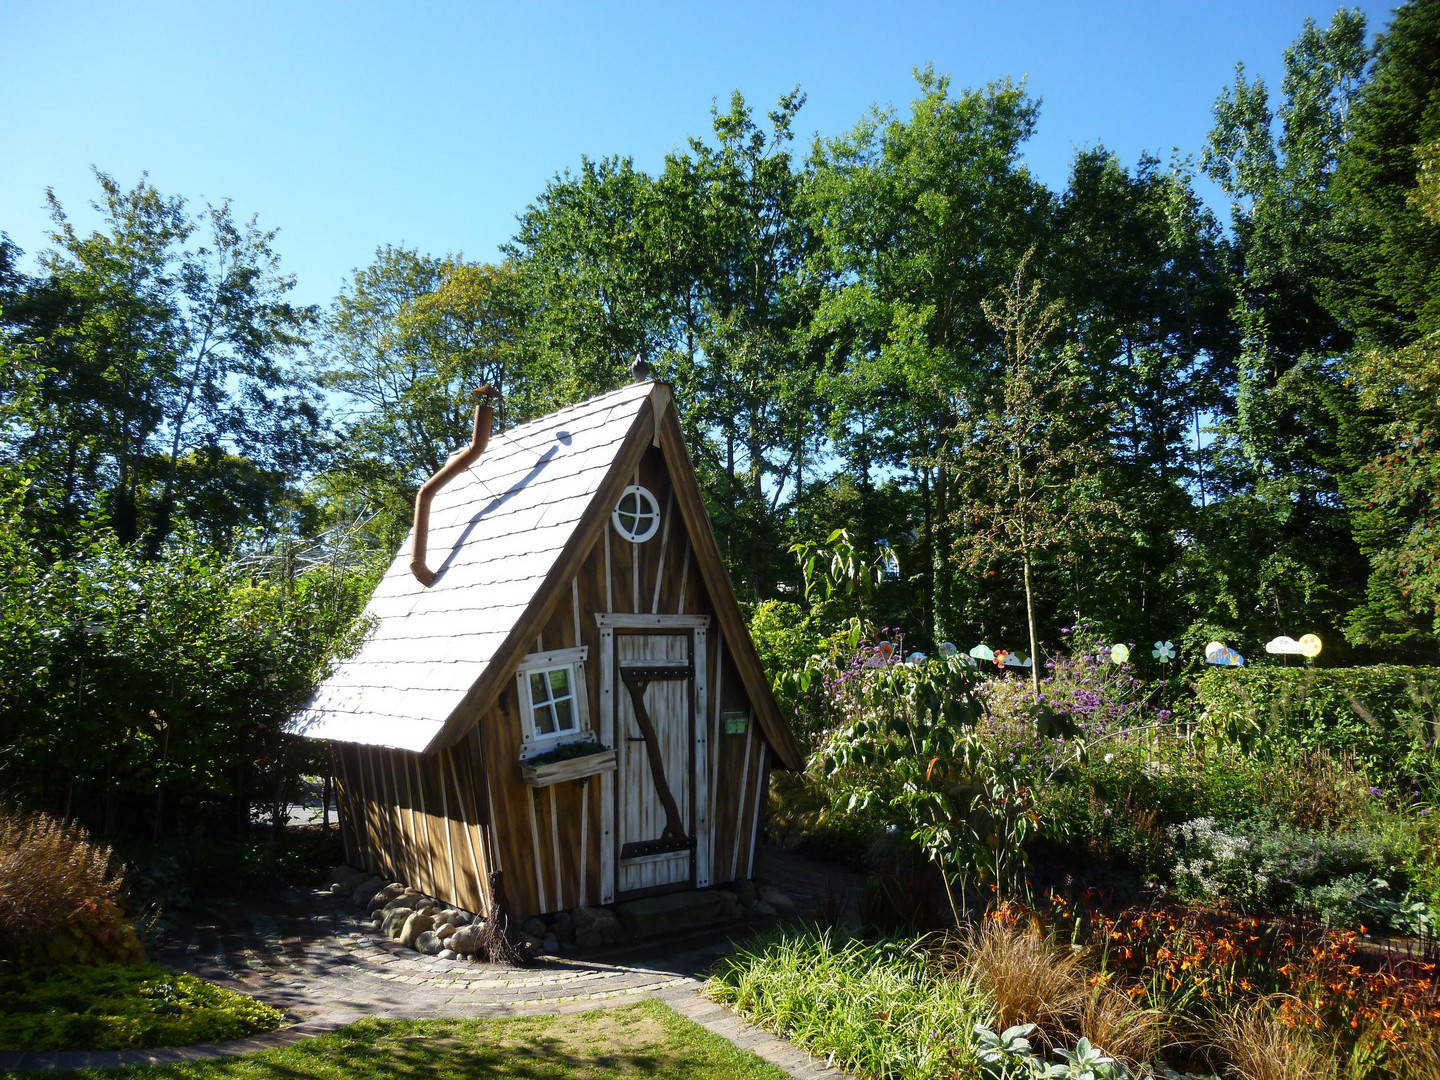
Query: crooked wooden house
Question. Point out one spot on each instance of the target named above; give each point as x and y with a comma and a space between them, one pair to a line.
559, 683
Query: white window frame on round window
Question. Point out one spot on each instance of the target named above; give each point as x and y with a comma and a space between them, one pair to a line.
643, 496
572, 663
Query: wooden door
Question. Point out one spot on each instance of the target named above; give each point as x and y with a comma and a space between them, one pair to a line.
655, 736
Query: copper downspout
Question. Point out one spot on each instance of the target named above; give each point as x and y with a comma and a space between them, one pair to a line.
452, 468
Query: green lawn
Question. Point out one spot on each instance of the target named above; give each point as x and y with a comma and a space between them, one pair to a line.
644, 1039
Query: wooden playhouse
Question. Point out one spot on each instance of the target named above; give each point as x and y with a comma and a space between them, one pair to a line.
573, 697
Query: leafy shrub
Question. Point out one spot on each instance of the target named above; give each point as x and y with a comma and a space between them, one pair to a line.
118, 1008
59, 899
1343, 877
1389, 717
150, 692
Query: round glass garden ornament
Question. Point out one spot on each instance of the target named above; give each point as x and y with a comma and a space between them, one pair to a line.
1164, 651
1310, 646
885, 651
946, 649
915, 659
1119, 653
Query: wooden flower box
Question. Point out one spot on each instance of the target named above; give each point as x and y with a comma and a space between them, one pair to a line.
576, 768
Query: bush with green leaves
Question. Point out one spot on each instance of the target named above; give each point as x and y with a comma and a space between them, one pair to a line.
145, 693
1344, 878
122, 1008
1388, 717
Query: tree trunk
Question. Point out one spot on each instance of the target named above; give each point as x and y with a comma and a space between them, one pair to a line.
1030, 618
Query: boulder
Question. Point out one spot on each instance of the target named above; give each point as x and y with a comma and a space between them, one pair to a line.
384, 896
394, 921
762, 908
455, 917
343, 871
745, 890
596, 919
550, 943
464, 940
447, 954
366, 891
417, 923
428, 943
444, 930
776, 898
347, 885
729, 903
407, 899
589, 939
536, 928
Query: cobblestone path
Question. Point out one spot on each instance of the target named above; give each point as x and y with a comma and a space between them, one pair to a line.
308, 953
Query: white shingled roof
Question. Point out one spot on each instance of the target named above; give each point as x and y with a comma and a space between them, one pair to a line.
495, 532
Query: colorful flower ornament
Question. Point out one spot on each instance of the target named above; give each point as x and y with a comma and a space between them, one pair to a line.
1223, 656
1119, 653
1001, 657
1164, 651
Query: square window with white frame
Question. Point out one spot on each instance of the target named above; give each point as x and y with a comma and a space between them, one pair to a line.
552, 695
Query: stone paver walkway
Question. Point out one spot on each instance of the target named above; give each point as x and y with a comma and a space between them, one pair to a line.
308, 953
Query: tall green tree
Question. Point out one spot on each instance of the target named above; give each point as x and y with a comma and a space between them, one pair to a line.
405, 342
920, 219
1387, 290
1026, 454
167, 343
1287, 431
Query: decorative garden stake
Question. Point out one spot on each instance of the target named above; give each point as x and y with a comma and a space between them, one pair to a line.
946, 649
1164, 651
1119, 653
1310, 646
982, 652
1284, 646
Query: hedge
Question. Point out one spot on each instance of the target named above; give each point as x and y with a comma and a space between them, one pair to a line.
1388, 716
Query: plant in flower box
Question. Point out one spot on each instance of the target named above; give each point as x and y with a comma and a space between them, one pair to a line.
568, 761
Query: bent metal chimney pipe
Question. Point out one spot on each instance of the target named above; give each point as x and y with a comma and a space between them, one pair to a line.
484, 412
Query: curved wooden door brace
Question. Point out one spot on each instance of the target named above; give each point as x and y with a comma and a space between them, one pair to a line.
637, 679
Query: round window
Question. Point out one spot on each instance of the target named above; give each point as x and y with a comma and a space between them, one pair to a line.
637, 514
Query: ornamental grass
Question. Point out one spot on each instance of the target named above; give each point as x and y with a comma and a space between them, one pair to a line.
59, 896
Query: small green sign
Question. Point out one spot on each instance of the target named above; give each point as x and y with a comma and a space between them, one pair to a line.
735, 721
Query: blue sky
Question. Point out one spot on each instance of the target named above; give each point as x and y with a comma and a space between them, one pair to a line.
432, 125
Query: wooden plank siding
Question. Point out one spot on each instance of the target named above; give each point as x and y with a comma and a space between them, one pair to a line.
415, 818
441, 821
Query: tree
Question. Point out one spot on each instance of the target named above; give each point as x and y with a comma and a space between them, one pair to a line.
406, 341
920, 220
1387, 244
1025, 453
166, 339
1288, 430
